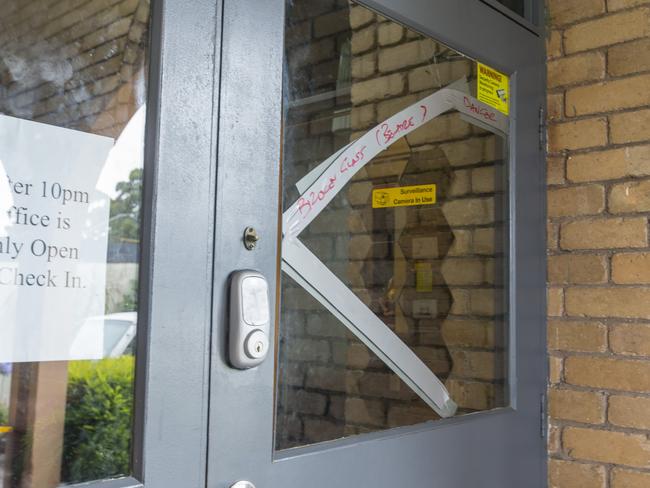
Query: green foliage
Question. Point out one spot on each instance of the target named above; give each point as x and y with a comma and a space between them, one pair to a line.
125, 208
129, 300
4, 415
97, 441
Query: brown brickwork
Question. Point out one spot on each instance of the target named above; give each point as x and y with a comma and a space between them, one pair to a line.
599, 257
72, 63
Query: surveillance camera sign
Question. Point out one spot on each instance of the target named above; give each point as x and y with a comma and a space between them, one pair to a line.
53, 241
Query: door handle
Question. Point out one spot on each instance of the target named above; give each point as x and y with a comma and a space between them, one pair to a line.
250, 317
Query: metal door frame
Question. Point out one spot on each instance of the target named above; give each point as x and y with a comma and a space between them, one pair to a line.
532, 18
242, 410
173, 344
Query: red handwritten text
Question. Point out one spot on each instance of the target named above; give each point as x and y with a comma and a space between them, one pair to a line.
306, 204
389, 134
483, 112
348, 163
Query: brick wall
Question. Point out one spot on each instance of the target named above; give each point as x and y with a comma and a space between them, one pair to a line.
599, 255
73, 63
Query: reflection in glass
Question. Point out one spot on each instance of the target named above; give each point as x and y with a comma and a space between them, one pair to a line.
80, 66
433, 273
517, 6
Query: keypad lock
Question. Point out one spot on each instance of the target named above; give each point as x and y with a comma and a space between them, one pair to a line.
249, 319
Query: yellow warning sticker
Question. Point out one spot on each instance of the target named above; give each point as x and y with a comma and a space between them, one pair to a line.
493, 88
423, 277
404, 196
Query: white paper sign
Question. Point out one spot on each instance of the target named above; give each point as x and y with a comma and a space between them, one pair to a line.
53, 242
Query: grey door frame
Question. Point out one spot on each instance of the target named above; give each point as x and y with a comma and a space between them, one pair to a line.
503, 448
175, 298
533, 14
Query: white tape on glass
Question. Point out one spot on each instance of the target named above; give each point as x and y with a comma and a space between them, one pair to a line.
323, 183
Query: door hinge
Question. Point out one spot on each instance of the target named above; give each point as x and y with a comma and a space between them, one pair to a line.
543, 424
542, 129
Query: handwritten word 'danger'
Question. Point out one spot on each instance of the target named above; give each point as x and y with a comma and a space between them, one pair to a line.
483, 112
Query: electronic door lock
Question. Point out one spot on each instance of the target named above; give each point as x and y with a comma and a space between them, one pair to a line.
250, 316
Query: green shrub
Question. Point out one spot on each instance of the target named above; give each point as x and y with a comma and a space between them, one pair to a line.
4, 415
97, 441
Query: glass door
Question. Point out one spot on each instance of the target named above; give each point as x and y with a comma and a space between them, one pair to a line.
106, 211
387, 155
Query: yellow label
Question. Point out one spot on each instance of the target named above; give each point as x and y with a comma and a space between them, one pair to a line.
493, 88
423, 277
5, 429
404, 196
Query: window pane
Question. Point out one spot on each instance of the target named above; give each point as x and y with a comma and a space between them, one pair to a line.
413, 245
517, 6
72, 112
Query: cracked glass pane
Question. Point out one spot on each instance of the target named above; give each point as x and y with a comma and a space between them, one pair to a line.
418, 234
